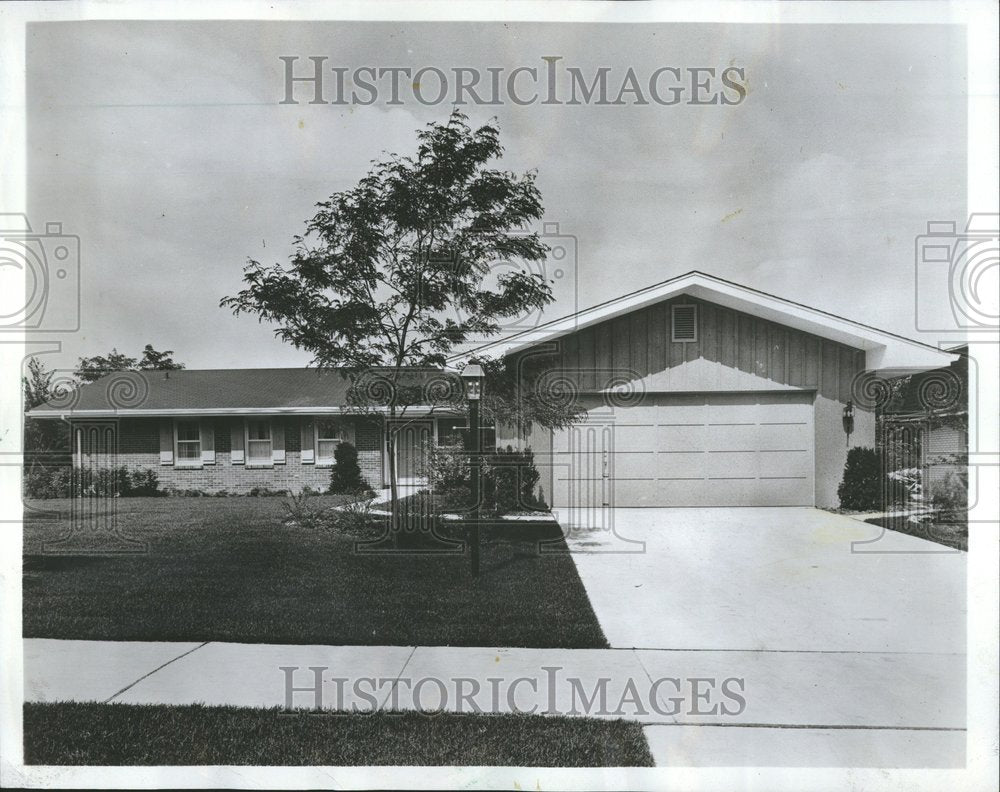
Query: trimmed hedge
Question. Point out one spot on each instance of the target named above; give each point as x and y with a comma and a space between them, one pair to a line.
62, 482
862, 486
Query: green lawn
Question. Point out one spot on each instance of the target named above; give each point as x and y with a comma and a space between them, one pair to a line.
950, 530
227, 569
125, 734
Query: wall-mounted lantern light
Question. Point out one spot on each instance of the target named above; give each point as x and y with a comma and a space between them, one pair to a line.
849, 420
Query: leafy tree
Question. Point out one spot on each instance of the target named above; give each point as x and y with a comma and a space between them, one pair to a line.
519, 394
38, 387
158, 361
90, 369
46, 439
395, 272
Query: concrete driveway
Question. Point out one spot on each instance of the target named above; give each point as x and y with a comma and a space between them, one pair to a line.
849, 642
776, 579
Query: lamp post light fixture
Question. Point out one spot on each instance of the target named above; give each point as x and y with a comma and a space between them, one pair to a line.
472, 376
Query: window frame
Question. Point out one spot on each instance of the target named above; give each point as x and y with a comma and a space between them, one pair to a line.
249, 462
188, 462
345, 437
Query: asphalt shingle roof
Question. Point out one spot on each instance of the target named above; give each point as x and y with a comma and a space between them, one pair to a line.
212, 389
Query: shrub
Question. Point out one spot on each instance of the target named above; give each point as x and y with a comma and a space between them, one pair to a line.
64, 482
265, 492
47, 482
302, 510
448, 475
144, 483
509, 479
861, 488
345, 477
951, 494
355, 519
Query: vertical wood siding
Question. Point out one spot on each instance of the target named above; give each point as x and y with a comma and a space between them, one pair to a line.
638, 346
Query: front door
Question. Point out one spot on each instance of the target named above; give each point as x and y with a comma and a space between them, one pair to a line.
413, 446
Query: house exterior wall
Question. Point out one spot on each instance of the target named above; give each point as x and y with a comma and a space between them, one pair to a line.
734, 352
139, 447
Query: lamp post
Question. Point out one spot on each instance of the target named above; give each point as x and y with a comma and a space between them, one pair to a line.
472, 376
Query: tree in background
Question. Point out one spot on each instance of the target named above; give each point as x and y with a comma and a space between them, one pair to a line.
38, 387
45, 442
90, 369
396, 272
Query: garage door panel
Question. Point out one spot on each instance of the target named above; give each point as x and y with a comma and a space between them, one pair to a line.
785, 436
731, 464
677, 491
678, 437
782, 463
680, 464
779, 492
633, 436
638, 464
747, 449
580, 437
636, 493
580, 493
580, 465
729, 491
741, 437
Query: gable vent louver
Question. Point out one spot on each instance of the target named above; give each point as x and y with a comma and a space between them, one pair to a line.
684, 323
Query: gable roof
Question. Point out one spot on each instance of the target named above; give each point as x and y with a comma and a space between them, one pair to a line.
212, 392
886, 352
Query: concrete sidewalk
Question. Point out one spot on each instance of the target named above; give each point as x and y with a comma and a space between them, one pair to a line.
802, 708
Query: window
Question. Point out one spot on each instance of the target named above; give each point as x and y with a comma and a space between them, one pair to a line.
329, 435
188, 443
684, 323
259, 443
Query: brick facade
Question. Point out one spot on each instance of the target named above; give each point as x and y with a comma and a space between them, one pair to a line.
139, 447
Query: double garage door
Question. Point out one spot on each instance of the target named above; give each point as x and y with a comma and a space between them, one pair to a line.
689, 450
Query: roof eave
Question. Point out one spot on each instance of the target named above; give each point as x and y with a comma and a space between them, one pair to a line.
885, 351
222, 412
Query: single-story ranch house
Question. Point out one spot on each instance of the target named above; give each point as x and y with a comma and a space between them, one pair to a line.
698, 392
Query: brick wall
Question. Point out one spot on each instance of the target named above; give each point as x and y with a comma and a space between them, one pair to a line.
139, 447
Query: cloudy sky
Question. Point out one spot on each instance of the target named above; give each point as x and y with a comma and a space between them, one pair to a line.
164, 146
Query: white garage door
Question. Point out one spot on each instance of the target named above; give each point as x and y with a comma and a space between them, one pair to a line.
689, 450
